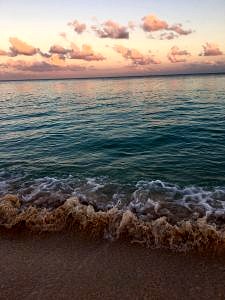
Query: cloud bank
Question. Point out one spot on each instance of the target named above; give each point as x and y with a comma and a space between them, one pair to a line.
38, 66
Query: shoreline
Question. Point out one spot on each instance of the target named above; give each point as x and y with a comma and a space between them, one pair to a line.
114, 224
74, 266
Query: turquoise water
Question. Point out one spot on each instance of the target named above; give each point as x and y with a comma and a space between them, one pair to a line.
113, 133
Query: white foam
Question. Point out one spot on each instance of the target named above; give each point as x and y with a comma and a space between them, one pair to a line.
146, 199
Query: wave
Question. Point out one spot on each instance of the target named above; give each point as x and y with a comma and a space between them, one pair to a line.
153, 213
148, 200
113, 224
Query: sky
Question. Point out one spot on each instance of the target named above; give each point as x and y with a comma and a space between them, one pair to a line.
102, 38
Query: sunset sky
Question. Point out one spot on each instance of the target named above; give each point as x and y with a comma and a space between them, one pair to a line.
54, 39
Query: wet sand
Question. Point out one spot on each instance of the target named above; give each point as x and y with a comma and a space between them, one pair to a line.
66, 266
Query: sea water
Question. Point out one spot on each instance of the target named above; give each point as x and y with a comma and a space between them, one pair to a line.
152, 145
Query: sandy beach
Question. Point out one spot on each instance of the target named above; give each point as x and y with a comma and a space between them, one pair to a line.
66, 266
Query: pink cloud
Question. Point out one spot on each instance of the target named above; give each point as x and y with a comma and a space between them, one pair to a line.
63, 35
40, 66
152, 23
85, 53
215, 63
176, 55
135, 56
206, 66
57, 49
77, 26
168, 36
178, 28
210, 49
111, 29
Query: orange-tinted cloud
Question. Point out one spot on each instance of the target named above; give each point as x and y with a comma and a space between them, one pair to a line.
57, 59
3, 53
55, 53
85, 53
135, 56
176, 55
19, 47
152, 23
77, 26
210, 49
111, 29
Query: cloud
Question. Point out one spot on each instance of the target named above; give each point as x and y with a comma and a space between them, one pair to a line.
152, 23
3, 53
178, 28
135, 56
176, 55
85, 53
43, 54
210, 49
55, 53
131, 25
63, 35
57, 59
39, 66
211, 62
57, 49
77, 26
113, 30
205, 67
168, 36
19, 47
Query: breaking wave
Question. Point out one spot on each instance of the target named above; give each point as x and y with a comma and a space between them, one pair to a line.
153, 213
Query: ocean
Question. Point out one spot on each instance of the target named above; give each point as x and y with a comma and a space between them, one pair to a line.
146, 150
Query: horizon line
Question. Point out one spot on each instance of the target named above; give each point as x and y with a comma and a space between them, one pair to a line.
117, 76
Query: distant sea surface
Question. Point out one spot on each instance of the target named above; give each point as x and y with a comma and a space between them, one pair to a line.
129, 142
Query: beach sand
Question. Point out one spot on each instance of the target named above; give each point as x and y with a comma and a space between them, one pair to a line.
68, 266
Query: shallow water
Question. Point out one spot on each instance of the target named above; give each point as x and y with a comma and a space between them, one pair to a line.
154, 146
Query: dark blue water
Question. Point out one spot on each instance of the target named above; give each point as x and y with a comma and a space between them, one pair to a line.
126, 130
